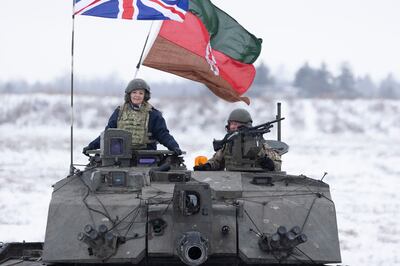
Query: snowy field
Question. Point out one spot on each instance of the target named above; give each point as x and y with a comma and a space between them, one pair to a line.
355, 142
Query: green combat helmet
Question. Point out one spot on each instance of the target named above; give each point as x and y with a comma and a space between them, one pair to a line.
137, 84
240, 115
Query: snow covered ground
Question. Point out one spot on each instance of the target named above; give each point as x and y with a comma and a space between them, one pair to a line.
356, 142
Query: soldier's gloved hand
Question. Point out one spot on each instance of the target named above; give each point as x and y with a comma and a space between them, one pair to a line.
202, 167
177, 151
85, 149
266, 163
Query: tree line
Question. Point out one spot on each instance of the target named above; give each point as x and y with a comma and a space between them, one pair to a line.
309, 82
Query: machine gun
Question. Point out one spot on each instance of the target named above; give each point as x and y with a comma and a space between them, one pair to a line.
256, 130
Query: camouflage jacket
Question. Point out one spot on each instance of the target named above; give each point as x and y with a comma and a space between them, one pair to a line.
217, 162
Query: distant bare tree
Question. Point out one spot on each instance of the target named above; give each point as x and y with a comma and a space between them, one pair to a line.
323, 81
344, 84
365, 87
313, 82
389, 88
263, 81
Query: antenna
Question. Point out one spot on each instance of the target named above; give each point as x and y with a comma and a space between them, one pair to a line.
278, 116
144, 48
323, 176
71, 166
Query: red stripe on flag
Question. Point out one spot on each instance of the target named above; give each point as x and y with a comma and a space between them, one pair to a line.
128, 9
193, 36
172, 9
238, 74
80, 10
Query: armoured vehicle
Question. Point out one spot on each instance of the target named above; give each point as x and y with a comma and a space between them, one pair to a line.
144, 207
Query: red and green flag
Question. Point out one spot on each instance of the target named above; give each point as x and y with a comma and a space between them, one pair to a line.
210, 47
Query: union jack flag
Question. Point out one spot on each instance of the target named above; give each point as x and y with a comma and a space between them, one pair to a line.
133, 9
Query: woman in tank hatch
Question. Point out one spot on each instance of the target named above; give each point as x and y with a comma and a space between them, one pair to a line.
137, 116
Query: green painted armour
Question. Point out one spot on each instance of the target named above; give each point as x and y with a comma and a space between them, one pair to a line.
136, 122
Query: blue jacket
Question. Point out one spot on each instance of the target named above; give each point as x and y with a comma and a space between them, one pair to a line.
157, 128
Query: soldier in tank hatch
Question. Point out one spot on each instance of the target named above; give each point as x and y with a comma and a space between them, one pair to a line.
142, 120
266, 158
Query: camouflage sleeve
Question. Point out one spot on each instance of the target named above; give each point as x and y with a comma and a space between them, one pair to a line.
273, 155
217, 162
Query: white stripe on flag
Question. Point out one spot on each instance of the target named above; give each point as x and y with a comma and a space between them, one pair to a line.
120, 8
166, 12
85, 5
135, 6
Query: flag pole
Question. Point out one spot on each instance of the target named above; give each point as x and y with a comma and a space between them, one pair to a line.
71, 167
144, 47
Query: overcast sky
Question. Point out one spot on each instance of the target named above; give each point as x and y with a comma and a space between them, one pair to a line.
35, 38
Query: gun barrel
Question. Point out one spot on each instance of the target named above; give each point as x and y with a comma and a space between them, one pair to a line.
276, 120
268, 124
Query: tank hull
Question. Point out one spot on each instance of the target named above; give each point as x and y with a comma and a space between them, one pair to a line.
158, 215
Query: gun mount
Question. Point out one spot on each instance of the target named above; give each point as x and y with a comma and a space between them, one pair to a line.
255, 132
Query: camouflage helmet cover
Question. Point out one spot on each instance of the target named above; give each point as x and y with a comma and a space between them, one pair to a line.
240, 115
137, 84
